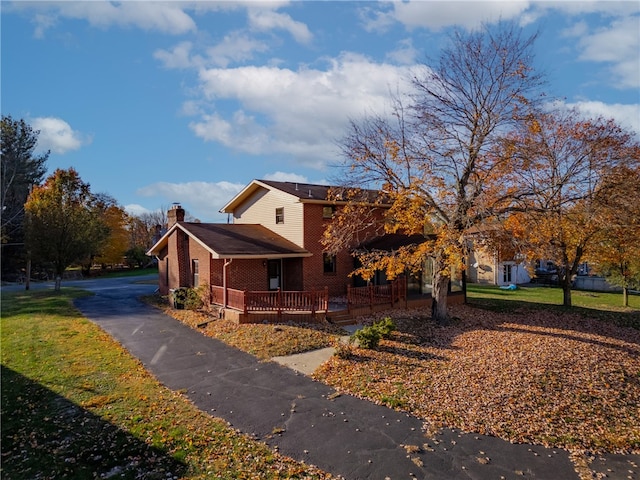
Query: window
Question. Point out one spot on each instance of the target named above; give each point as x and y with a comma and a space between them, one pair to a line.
195, 270
327, 212
329, 262
506, 273
280, 215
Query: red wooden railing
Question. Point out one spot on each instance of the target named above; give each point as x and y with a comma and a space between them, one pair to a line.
308, 301
377, 294
272, 301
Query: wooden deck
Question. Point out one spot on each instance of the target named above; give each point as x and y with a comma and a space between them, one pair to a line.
244, 306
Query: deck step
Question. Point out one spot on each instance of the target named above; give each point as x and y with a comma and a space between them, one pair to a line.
341, 319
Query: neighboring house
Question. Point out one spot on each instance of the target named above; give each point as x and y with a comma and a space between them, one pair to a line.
486, 266
273, 244
493, 260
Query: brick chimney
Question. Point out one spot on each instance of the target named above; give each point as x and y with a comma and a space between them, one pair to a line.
175, 214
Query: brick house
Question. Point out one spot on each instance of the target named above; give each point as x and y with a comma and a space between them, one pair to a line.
271, 245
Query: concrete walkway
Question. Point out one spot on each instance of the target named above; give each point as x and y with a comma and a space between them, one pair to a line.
307, 420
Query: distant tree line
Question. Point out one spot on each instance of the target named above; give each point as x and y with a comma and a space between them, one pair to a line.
57, 222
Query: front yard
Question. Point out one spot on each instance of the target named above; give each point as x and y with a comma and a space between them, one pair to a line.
520, 371
531, 376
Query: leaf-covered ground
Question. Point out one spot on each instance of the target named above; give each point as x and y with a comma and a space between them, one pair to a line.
541, 377
535, 376
262, 340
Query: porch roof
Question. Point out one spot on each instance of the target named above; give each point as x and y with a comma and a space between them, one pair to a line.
393, 241
235, 241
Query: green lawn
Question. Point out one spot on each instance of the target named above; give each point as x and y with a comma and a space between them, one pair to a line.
607, 306
133, 272
76, 405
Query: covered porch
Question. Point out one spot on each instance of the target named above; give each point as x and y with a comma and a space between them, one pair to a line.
250, 306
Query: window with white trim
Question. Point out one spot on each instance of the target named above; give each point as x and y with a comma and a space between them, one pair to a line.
195, 270
280, 215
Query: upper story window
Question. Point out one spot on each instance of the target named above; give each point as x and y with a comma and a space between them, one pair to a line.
280, 215
327, 212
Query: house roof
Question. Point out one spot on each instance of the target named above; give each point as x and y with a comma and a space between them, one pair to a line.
235, 241
393, 241
304, 192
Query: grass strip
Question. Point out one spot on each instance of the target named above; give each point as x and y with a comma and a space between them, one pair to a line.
605, 306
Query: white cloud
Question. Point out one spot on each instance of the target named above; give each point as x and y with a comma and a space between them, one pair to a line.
405, 53
203, 200
618, 44
165, 17
627, 116
178, 57
43, 22
235, 47
267, 20
136, 210
438, 15
306, 110
286, 177
57, 135
604, 7
577, 30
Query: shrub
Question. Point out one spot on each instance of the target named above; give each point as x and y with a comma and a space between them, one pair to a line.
385, 327
368, 337
186, 297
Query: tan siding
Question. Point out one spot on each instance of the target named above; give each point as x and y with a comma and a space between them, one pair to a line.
261, 207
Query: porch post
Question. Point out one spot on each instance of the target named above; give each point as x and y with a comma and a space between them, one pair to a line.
245, 307
279, 303
325, 302
224, 281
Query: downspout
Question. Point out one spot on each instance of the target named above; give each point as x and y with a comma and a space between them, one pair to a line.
224, 281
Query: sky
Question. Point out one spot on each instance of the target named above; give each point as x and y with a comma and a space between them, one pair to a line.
189, 101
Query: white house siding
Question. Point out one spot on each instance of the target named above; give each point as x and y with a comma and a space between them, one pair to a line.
261, 207
484, 268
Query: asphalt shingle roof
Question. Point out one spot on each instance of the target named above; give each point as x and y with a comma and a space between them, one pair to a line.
228, 240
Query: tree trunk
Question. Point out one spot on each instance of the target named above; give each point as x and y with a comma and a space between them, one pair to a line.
625, 296
27, 280
58, 282
565, 281
439, 312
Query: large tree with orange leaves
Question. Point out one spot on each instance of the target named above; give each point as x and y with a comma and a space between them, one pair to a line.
615, 251
433, 160
566, 170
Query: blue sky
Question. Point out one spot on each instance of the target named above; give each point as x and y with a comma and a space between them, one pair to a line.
188, 101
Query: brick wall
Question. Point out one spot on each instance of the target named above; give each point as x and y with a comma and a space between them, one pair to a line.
174, 262
314, 276
242, 274
163, 285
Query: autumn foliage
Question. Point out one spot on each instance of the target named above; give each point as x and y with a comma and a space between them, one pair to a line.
432, 158
565, 172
